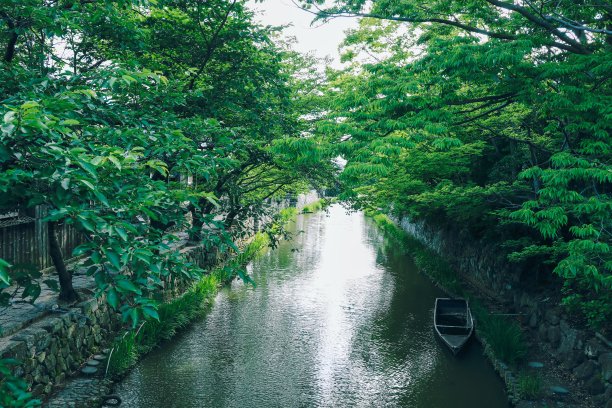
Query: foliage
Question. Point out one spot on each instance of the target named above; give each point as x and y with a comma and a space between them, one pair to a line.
276, 229
318, 205
13, 390
490, 116
135, 120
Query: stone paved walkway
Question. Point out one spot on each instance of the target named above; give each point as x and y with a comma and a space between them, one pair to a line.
20, 314
81, 392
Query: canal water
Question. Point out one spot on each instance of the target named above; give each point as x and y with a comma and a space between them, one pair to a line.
338, 318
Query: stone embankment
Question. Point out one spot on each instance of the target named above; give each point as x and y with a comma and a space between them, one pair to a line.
59, 344
584, 356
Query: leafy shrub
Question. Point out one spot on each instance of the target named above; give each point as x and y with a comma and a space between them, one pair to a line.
597, 312
13, 390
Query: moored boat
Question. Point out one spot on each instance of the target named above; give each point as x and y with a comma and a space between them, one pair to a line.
453, 322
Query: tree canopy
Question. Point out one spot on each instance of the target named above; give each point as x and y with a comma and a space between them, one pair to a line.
492, 116
143, 123
134, 121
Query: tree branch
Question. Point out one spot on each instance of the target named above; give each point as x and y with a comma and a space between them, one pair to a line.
212, 45
487, 113
483, 99
575, 46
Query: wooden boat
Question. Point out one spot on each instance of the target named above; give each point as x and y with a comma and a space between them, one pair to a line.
453, 322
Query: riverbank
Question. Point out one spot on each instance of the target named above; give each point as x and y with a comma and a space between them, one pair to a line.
94, 386
178, 313
533, 374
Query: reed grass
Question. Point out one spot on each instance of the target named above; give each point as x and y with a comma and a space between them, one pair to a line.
502, 333
529, 386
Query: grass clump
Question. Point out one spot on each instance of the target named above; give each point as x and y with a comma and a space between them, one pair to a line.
173, 316
504, 335
529, 386
318, 205
255, 247
123, 355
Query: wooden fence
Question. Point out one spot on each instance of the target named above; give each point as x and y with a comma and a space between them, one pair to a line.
24, 239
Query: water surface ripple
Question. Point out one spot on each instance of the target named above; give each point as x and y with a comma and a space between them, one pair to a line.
338, 319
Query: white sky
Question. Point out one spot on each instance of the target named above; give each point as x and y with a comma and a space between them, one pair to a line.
322, 39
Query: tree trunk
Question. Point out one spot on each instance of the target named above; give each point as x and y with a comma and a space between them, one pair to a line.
67, 292
196, 225
229, 220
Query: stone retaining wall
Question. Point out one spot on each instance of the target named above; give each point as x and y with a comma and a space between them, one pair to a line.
57, 345
587, 355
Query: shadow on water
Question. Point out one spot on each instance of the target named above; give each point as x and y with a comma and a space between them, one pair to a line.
338, 318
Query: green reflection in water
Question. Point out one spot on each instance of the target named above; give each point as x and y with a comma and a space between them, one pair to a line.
337, 319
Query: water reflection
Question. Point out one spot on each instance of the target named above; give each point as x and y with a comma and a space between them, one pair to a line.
335, 321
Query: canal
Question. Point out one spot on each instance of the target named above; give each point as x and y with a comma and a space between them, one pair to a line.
338, 318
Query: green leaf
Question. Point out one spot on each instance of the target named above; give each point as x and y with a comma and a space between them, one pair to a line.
112, 298
29, 105
4, 268
88, 184
113, 258
87, 224
122, 233
128, 79
88, 167
115, 161
128, 286
70, 122
101, 197
52, 284
150, 312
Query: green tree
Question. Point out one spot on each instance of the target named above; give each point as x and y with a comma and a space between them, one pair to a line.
470, 112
